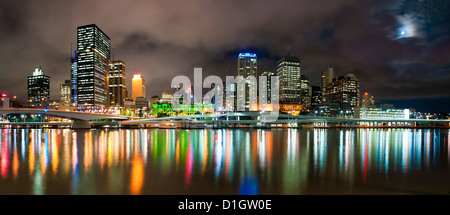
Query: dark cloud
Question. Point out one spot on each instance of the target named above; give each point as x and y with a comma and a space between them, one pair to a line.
162, 39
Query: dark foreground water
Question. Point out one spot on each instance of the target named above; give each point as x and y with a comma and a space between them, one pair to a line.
241, 161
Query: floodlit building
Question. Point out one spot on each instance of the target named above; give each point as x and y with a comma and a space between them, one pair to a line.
138, 87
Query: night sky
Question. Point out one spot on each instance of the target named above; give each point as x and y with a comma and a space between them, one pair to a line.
398, 59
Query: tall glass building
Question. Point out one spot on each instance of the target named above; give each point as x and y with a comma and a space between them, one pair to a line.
288, 71
38, 86
91, 67
247, 66
117, 89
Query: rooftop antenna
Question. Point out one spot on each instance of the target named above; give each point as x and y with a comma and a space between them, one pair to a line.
288, 51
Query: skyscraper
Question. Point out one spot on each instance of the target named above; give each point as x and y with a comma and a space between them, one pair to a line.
344, 90
327, 77
268, 94
91, 67
288, 71
38, 86
247, 66
138, 87
305, 88
65, 92
116, 80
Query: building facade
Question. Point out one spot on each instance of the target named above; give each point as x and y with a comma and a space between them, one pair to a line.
327, 77
91, 67
116, 79
305, 91
138, 87
247, 66
367, 100
65, 92
288, 71
38, 86
344, 90
316, 96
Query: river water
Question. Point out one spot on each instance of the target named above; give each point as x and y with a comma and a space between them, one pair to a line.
227, 161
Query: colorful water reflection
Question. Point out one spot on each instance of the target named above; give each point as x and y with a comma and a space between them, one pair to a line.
277, 161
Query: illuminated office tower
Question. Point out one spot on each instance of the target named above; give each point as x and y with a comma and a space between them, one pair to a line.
327, 77
288, 71
344, 90
268, 94
38, 86
65, 92
367, 100
92, 57
73, 78
116, 80
138, 87
247, 66
305, 91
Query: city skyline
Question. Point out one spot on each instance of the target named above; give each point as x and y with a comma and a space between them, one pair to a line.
395, 70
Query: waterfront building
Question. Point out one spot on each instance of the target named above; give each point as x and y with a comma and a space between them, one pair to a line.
138, 87
116, 81
381, 113
38, 87
91, 67
331, 110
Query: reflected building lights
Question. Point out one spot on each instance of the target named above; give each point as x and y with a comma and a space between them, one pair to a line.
246, 160
137, 175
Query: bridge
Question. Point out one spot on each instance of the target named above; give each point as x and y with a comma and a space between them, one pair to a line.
219, 120
254, 119
80, 119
